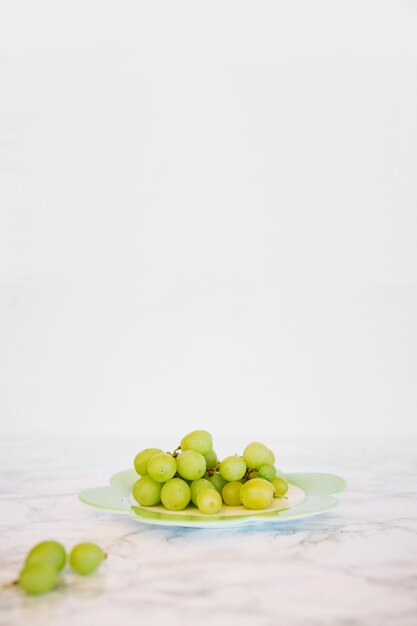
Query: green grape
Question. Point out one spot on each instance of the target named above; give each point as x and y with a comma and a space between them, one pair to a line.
217, 481
199, 441
256, 454
197, 486
175, 494
280, 485
267, 471
38, 577
211, 459
257, 494
270, 460
230, 493
48, 551
162, 467
85, 558
209, 501
232, 468
147, 491
142, 459
191, 465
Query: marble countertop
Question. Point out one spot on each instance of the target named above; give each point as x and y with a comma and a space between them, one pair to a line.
355, 565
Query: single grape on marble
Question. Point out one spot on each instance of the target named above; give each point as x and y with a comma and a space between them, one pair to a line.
85, 558
50, 551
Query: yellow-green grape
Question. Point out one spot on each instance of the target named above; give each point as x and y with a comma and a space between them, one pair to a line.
267, 471
48, 551
162, 467
198, 440
232, 468
175, 494
280, 485
211, 459
197, 486
147, 491
217, 481
230, 493
38, 577
209, 501
257, 454
142, 459
270, 458
191, 465
85, 558
257, 493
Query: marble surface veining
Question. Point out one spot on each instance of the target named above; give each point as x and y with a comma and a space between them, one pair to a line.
356, 565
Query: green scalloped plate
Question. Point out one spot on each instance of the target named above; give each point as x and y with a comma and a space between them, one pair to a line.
309, 494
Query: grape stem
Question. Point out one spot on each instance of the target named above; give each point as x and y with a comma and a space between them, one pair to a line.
11, 583
175, 453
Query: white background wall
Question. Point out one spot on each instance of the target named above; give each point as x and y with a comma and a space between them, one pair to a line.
208, 217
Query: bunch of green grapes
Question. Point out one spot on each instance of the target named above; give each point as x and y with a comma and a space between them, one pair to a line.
192, 475
47, 559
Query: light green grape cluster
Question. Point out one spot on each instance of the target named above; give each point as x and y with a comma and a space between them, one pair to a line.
47, 559
192, 475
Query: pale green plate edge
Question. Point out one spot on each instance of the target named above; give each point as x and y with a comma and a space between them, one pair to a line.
318, 488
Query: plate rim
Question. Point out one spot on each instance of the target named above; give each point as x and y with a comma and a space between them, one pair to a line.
324, 501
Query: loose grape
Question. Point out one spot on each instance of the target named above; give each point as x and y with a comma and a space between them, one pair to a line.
198, 440
230, 493
142, 459
85, 558
211, 459
217, 481
267, 471
256, 454
209, 501
147, 491
175, 494
38, 577
48, 551
162, 467
257, 494
197, 486
232, 468
191, 465
280, 485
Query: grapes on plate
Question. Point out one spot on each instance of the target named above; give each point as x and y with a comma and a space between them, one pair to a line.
142, 459
257, 493
192, 473
256, 454
211, 459
209, 501
232, 468
217, 481
280, 485
147, 491
199, 485
198, 440
175, 494
191, 465
231, 493
162, 467
267, 471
